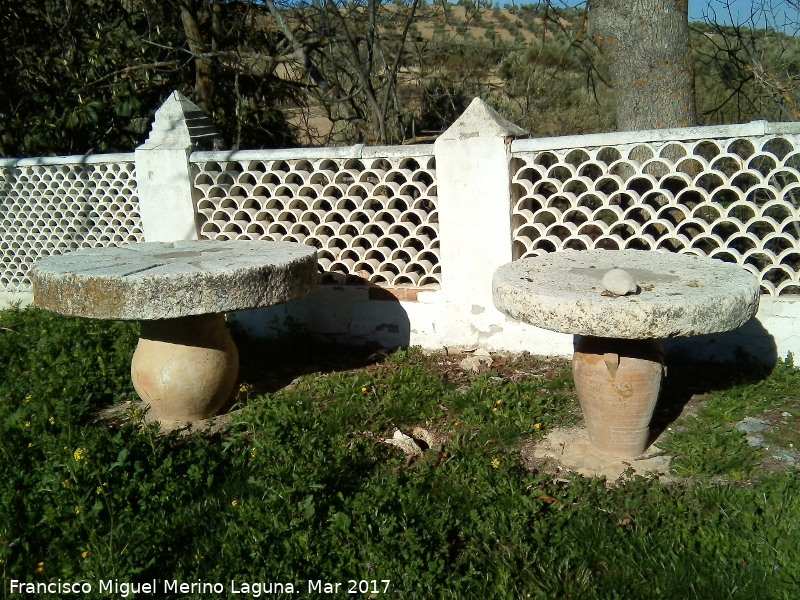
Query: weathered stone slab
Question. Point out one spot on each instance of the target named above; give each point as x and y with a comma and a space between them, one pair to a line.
678, 294
166, 280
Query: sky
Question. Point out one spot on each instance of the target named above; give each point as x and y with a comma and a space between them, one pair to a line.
775, 13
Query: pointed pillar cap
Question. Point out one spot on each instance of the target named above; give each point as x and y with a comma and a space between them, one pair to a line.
481, 120
180, 123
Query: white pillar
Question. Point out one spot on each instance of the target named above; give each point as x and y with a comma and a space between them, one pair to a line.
474, 193
164, 186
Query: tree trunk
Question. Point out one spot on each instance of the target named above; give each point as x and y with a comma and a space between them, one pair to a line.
646, 44
204, 77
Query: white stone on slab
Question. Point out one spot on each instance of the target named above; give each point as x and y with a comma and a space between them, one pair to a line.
680, 295
620, 282
167, 280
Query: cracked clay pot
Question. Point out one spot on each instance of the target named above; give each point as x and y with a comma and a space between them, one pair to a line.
618, 382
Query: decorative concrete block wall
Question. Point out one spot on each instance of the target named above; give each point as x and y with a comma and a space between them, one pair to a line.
371, 215
734, 198
408, 236
55, 205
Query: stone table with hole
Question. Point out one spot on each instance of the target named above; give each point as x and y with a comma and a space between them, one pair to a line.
186, 363
618, 361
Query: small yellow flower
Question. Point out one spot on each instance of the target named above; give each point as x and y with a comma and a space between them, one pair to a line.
253, 453
494, 409
495, 463
52, 420
499, 402
40, 568
235, 503
457, 423
537, 426
84, 554
363, 389
244, 388
66, 484
27, 400
79, 454
78, 510
27, 423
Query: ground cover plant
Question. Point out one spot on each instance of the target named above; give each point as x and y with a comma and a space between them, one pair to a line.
298, 486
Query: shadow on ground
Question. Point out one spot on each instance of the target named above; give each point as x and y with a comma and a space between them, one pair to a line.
687, 380
270, 365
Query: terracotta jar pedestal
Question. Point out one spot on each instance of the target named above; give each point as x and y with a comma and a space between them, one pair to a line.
185, 368
618, 382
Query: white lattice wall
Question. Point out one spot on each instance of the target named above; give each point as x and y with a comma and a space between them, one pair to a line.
735, 199
372, 217
52, 206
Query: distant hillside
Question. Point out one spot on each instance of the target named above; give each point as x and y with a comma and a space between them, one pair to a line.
538, 69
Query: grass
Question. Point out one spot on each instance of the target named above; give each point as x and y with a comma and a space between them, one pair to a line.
706, 442
300, 488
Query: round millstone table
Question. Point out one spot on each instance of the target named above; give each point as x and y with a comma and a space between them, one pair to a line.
186, 363
618, 363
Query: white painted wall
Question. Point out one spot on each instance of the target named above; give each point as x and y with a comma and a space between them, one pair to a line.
333, 314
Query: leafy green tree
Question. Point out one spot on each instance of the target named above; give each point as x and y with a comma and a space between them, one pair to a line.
75, 75
87, 75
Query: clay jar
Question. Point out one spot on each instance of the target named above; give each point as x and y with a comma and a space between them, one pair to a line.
618, 382
184, 369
